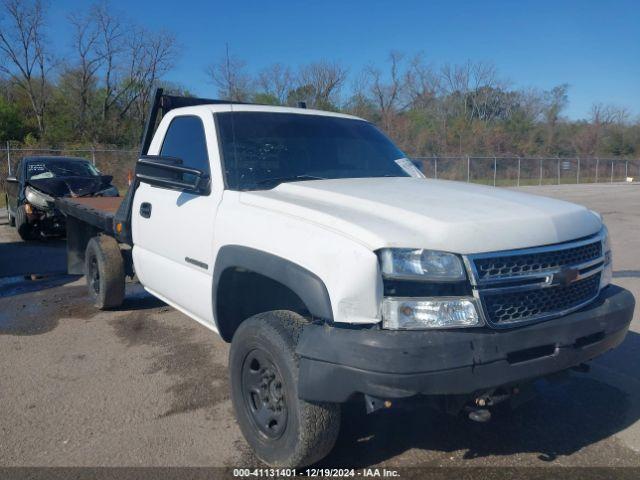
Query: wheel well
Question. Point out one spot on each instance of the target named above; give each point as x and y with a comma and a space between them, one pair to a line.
243, 293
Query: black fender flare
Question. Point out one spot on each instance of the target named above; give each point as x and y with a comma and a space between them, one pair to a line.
304, 283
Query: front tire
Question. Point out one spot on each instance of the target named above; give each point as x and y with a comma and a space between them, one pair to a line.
282, 429
104, 270
26, 231
12, 219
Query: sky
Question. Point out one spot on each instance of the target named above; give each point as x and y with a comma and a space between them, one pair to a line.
594, 46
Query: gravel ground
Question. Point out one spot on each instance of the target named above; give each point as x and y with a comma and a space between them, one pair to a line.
146, 386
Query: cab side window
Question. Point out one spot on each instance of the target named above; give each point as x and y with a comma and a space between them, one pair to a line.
185, 139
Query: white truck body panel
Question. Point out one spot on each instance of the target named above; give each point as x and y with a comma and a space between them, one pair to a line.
329, 227
433, 214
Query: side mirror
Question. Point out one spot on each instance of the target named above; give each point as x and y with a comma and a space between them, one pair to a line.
168, 172
12, 179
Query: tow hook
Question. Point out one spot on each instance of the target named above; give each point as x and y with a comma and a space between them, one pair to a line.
478, 410
372, 403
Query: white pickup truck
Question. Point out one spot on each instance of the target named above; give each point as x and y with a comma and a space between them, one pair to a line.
339, 273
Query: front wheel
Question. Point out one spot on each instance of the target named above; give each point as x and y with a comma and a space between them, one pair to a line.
282, 429
12, 219
26, 231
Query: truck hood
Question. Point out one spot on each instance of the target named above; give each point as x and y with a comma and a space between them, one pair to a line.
71, 186
434, 214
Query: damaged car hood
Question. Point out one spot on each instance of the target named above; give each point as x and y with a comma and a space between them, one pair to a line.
71, 186
419, 213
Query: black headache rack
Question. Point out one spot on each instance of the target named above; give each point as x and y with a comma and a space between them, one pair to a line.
88, 217
162, 104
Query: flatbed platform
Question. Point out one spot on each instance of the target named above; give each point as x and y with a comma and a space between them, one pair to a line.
96, 211
86, 217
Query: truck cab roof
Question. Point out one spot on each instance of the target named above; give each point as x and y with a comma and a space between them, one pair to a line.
240, 107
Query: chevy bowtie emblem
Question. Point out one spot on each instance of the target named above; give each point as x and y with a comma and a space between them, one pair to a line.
565, 276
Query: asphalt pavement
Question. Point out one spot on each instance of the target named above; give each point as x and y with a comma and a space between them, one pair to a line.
146, 386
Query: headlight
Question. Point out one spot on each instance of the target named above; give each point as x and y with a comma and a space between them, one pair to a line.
424, 313
108, 192
37, 198
418, 264
607, 271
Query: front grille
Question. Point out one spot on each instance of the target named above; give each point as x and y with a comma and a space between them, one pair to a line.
498, 267
516, 287
503, 309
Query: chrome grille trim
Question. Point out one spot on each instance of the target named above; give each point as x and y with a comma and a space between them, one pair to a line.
541, 279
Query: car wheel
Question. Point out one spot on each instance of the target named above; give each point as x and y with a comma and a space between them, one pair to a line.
282, 429
104, 270
12, 219
25, 230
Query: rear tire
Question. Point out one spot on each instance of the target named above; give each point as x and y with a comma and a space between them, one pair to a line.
104, 270
282, 429
25, 230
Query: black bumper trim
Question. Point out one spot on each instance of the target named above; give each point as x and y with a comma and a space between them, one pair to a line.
336, 363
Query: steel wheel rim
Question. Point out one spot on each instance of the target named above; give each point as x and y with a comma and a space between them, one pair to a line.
263, 394
94, 276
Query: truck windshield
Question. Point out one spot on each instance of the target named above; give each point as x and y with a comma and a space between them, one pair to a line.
263, 149
39, 169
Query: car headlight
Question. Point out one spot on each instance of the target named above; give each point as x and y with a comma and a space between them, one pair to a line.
427, 313
419, 264
37, 198
108, 192
607, 271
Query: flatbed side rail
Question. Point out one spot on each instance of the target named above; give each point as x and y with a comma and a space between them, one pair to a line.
84, 220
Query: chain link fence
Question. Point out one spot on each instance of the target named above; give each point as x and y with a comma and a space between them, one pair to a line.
520, 171
498, 171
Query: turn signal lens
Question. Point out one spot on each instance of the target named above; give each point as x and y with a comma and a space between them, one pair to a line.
427, 313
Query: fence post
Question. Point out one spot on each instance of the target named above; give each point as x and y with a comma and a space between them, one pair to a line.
597, 167
540, 181
558, 170
435, 168
468, 169
8, 159
518, 171
611, 172
626, 170
93, 155
495, 170
578, 171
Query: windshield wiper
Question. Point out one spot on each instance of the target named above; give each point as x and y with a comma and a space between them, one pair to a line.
290, 178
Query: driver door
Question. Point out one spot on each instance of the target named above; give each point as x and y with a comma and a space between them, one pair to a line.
173, 230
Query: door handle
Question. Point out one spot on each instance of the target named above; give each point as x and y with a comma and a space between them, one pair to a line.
145, 210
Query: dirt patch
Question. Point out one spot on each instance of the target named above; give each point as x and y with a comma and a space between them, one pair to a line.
39, 312
200, 382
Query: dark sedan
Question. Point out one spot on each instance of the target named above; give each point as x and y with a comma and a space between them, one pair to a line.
38, 181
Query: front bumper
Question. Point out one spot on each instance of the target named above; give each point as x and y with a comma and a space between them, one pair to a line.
49, 221
336, 363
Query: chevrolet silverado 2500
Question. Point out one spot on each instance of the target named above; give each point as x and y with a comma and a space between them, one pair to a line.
338, 272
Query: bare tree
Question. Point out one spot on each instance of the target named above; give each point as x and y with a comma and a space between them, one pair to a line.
155, 54
230, 78
132, 59
555, 101
89, 60
277, 81
386, 92
22, 44
421, 82
324, 81
110, 46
